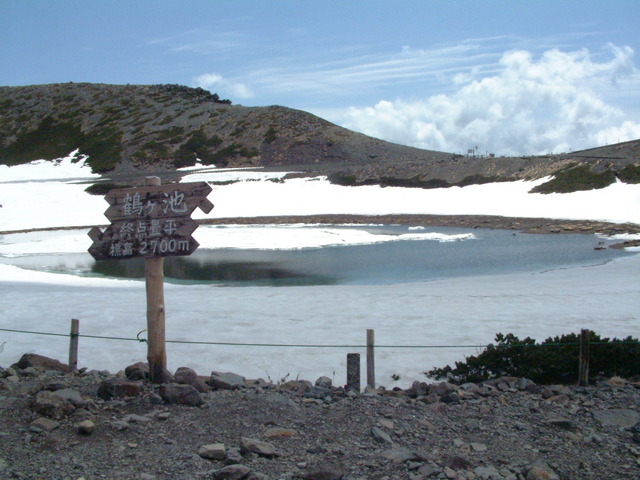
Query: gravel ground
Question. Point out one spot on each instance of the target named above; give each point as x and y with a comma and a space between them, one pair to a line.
506, 429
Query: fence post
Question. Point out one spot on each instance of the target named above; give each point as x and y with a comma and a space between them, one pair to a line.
583, 369
371, 368
73, 344
353, 372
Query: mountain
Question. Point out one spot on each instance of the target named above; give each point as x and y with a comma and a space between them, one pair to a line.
129, 129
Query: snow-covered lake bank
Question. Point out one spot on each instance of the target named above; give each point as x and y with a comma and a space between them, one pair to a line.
451, 311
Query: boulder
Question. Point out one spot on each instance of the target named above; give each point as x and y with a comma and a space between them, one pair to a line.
72, 396
44, 424
115, 387
213, 451
296, 386
263, 449
137, 371
231, 472
226, 381
380, 435
318, 392
324, 471
181, 394
86, 427
617, 417
187, 376
324, 382
541, 471
40, 362
50, 405
442, 388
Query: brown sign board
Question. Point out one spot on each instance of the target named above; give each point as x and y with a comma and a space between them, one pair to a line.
150, 221
161, 201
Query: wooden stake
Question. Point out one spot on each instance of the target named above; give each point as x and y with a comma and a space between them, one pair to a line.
73, 344
154, 280
583, 369
353, 372
371, 368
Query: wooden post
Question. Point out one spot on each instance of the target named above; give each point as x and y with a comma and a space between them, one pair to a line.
353, 372
583, 369
73, 344
371, 369
154, 281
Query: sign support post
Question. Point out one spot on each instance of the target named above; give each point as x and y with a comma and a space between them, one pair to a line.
151, 222
154, 281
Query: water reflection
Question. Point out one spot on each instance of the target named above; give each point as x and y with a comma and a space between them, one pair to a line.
207, 267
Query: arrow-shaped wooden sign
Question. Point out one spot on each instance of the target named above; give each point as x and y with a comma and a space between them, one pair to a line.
144, 238
150, 221
162, 201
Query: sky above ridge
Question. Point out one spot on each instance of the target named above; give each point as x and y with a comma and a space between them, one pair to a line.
505, 76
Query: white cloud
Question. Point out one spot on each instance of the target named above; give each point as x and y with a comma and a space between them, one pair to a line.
528, 106
223, 87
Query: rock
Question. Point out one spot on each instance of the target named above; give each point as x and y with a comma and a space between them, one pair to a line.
324, 471
231, 472
296, 386
72, 396
324, 382
264, 449
226, 380
617, 417
86, 428
541, 471
563, 423
418, 389
380, 436
187, 376
234, 455
41, 363
279, 432
115, 387
318, 392
428, 471
48, 404
181, 394
486, 472
450, 398
386, 423
478, 447
442, 388
456, 462
213, 451
133, 418
399, 455
45, 424
137, 371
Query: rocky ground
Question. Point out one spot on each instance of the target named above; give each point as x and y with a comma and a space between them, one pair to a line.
91, 425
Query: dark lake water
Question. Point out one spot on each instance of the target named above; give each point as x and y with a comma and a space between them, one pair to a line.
391, 262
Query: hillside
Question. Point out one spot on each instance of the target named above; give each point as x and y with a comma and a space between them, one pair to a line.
129, 129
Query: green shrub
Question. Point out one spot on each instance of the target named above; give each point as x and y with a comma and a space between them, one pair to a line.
555, 360
270, 135
629, 174
102, 188
574, 179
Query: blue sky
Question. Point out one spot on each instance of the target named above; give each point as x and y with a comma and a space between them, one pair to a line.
511, 77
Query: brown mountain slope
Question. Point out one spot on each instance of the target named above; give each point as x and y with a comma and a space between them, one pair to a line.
128, 129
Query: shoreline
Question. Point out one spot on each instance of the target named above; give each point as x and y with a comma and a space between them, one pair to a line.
522, 224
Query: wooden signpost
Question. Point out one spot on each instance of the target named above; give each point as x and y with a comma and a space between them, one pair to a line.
152, 222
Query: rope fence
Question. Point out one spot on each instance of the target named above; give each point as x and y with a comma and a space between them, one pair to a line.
353, 359
299, 345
